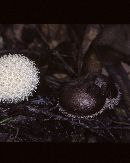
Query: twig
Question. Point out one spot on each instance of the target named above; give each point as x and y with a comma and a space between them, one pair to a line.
67, 67
6, 120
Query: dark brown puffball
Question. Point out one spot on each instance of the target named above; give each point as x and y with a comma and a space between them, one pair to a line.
89, 96
110, 89
82, 98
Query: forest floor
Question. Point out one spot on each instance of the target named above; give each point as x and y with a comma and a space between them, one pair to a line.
56, 51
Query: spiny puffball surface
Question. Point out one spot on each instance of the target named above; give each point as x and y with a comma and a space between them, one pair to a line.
18, 78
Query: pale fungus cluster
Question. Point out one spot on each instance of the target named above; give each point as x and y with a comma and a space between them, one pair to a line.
18, 78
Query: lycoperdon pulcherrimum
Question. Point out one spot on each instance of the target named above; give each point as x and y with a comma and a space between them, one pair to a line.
89, 97
18, 78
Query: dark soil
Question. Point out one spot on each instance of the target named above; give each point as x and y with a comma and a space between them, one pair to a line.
62, 53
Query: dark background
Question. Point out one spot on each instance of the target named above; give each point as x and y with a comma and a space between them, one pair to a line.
62, 52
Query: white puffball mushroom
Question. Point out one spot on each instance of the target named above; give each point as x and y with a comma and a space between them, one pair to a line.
18, 78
